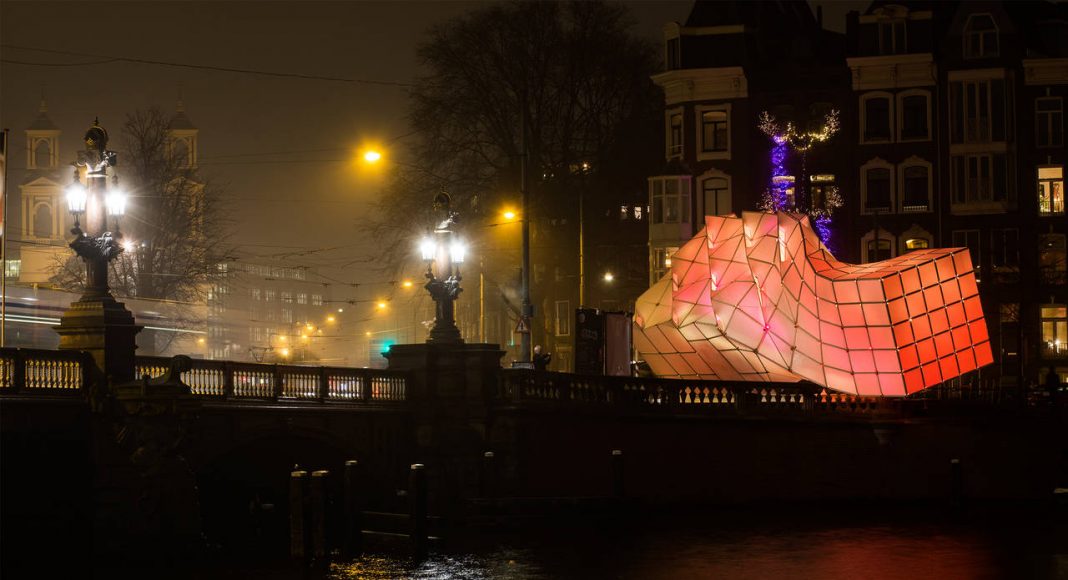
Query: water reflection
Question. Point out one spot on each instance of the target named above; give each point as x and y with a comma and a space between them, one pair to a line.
805, 546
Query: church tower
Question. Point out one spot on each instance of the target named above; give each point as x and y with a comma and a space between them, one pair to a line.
42, 211
183, 144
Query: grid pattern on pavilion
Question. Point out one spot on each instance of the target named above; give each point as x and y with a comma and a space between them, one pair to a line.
759, 298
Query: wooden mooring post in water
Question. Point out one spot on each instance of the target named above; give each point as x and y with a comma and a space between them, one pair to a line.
353, 509
299, 530
417, 509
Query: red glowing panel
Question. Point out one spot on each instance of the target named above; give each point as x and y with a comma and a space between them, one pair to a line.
758, 298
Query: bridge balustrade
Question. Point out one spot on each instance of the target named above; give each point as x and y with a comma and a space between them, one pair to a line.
239, 380
43, 371
523, 387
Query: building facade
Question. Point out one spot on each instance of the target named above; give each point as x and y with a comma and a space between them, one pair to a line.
952, 135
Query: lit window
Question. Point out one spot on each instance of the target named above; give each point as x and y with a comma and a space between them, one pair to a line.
638, 213
317, 300
661, 262
256, 294
714, 133
819, 187
1054, 329
287, 298
12, 268
1051, 190
917, 244
302, 298
287, 315
1049, 122
980, 37
1009, 312
268, 295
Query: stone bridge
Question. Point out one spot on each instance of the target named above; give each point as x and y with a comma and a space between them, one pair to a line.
207, 445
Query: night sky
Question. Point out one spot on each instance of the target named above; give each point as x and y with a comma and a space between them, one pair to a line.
303, 200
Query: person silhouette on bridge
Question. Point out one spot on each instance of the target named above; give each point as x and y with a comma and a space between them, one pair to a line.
541, 360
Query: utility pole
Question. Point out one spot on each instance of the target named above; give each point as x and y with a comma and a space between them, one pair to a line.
3, 241
527, 308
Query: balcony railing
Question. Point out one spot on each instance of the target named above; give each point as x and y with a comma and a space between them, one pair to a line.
239, 380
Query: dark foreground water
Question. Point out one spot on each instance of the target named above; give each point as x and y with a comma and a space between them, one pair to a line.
849, 543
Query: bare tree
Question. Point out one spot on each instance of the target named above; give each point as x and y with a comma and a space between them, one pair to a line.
175, 230
572, 71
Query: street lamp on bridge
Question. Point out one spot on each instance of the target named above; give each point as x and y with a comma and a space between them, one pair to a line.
96, 322
444, 248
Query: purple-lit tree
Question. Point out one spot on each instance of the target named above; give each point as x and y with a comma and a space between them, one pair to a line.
786, 194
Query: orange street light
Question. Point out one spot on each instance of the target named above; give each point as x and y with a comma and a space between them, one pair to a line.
407, 284
381, 305
372, 156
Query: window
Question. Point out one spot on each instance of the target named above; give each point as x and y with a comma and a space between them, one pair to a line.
268, 295
714, 131
624, 213
287, 315
877, 188
638, 212
1054, 320
915, 116
977, 111
980, 178
12, 268
563, 318
1009, 315
42, 221
819, 187
287, 297
892, 37
1051, 190
916, 188
876, 117
969, 239
1005, 255
302, 298
317, 299
788, 189
661, 262
917, 244
716, 192
670, 197
256, 293
1049, 122
878, 250
42, 154
980, 37
876, 246
674, 134
1051, 258
672, 54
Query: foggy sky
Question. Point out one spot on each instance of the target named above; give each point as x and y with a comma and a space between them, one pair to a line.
301, 201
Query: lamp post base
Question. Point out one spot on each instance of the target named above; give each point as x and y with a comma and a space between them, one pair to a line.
102, 326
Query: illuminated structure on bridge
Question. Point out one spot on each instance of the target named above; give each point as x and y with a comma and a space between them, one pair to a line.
760, 298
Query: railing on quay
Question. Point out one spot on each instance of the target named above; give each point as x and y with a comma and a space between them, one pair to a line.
518, 386
228, 380
48, 372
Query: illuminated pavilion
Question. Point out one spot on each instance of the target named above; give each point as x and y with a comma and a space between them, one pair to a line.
760, 298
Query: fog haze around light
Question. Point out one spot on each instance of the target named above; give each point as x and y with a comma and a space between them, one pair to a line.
300, 201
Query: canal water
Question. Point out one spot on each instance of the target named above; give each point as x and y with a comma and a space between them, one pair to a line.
827, 543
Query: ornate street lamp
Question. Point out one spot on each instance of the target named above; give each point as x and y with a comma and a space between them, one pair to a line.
444, 248
96, 322
98, 246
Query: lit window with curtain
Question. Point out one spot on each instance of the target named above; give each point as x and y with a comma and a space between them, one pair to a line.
1054, 321
1051, 190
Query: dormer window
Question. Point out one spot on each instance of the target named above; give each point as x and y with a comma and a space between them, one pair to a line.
892, 37
980, 37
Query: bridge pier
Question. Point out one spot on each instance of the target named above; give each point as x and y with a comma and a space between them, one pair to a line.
449, 392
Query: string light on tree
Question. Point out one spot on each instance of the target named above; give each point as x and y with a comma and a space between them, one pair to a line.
786, 194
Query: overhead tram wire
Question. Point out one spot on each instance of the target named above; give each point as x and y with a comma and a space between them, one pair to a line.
109, 58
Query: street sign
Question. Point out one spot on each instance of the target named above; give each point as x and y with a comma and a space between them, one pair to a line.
522, 327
